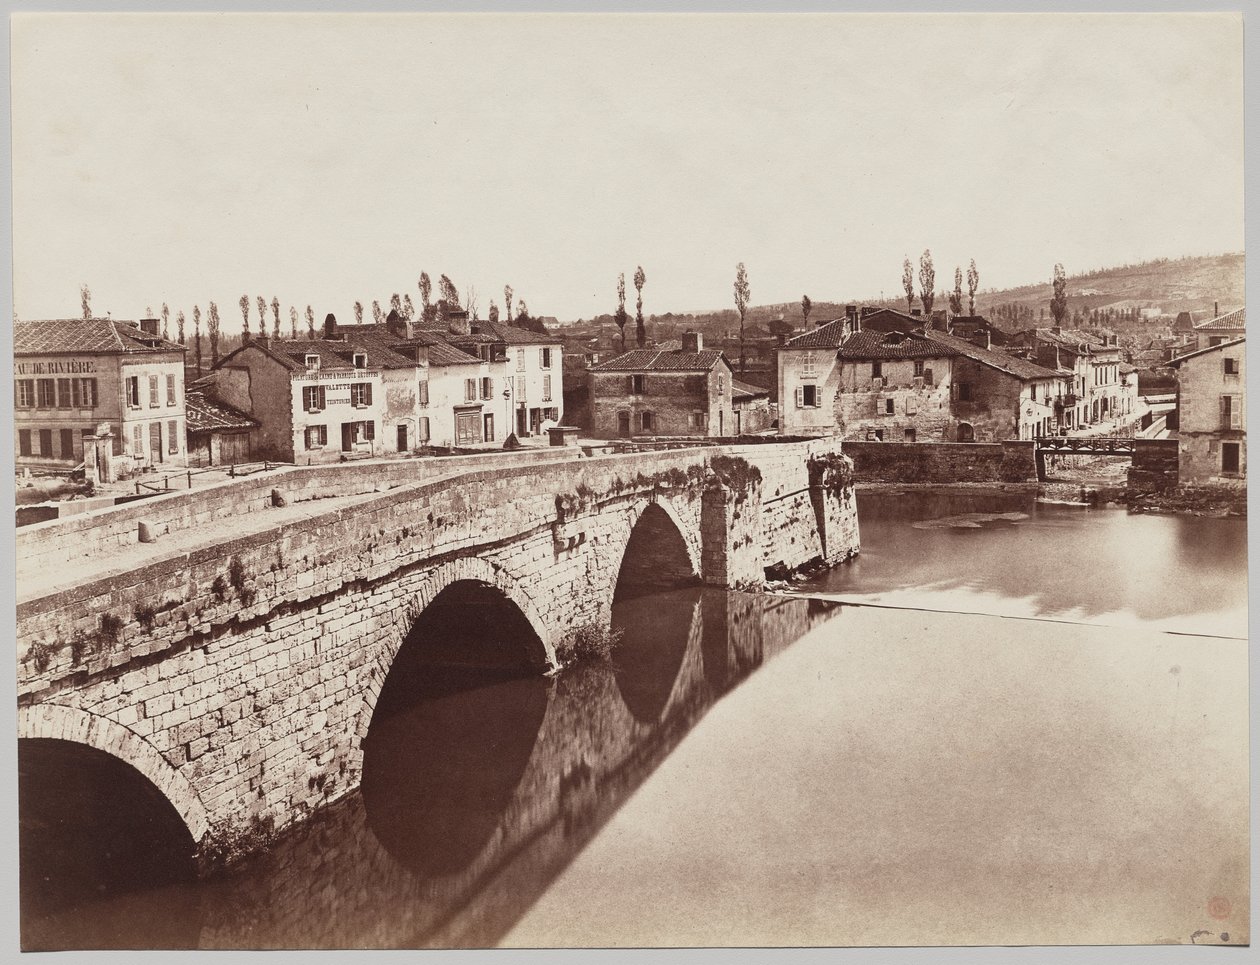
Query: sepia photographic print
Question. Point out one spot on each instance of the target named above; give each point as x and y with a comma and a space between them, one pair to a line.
616, 480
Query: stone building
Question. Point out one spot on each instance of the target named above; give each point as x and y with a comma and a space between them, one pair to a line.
1222, 328
751, 407
1097, 392
1212, 415
218, 435
109, 394
651, 392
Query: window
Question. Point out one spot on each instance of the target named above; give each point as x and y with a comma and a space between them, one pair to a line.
424, 392
807, 365
48, 392
312, 362
721, 384
877, 370
361, 394
918, 368
908, 435
520, 388
24, 393
360, 360
483, 352
1215, 340
646, 420
546, 388
316, 437
544, 358
699, 420
67, 444
172, 437
470, 390
638, 384
24, 442
424, 426
1231, 366
487, 388
170, 390
1231, 412
64, 400
153, 392
962, 391
87, 388
155, 439
890, 407
520, 360
1230, 456
807, 397
45, 443
313, 399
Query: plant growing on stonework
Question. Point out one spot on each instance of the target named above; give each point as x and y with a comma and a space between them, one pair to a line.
591, 641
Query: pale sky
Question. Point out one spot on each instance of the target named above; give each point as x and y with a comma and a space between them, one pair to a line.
324, 159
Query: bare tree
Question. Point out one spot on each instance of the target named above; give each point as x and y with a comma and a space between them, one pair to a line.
955, 297
377, 315
743, 292
197, 334
927, 282
620, 318
507, 302
907, 282
179, 326
640, 332
212, 325
293, 322
244, 303
426, 291
494, 312
448, 292
470, 301
409, 308
166, 321
310, 323
275, 316
85, 298
395, 304
262, 316
358, 313
1058, 302
973, 285
806, 307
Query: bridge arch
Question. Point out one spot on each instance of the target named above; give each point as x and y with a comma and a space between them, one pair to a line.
662, 551
59, 722
471, 570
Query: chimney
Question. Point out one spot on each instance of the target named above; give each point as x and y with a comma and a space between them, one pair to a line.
692, 342
330, 326
1056, 329
851, 313
916, 312
149, 326
394, 324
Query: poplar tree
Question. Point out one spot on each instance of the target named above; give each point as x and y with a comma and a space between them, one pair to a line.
927, 282
973, 285
743, 292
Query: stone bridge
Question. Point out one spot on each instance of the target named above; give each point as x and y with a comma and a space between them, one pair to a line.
236, 657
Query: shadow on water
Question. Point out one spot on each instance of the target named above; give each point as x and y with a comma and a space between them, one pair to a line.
482, 780
92, 826
1054, 559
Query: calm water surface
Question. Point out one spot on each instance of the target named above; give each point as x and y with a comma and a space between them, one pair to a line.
1002, 743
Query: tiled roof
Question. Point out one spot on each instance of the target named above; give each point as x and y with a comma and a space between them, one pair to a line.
1073, 339
1021, 369
515, 336
440, 353
1231, 320
826, 335
891, 345
654, 360
86, 335
1211, 348
742, 390
207, 415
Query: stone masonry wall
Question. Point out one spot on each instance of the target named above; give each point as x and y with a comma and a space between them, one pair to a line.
1010, 461
246, 671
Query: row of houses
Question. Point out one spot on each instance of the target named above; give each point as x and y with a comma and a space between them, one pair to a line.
110, 395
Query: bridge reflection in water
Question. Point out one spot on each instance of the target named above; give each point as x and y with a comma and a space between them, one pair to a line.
480, 784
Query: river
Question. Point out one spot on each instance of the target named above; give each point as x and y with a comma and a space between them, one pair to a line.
1005, 722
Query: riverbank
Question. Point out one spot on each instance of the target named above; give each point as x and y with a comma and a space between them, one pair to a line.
1216, 503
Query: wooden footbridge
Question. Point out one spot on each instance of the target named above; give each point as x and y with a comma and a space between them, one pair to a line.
1080, 446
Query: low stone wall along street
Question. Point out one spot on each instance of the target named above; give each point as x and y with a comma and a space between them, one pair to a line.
940, 462
239, 671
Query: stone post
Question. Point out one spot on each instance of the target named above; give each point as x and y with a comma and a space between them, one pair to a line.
730, 531
835, 507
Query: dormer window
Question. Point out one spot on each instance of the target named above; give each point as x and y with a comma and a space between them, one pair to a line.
312, 363
360, 360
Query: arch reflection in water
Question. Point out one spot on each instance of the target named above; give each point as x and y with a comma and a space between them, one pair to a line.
453, 729
656, 634
93, 829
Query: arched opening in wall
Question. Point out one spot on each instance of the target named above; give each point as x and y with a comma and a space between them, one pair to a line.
454, 728
102, 854
655, 559
966, 432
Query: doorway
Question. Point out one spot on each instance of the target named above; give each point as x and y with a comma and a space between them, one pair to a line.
487, 427
402, 437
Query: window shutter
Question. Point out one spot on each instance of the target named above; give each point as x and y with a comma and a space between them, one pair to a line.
1235, 413
800, 397
367, 393
322, 402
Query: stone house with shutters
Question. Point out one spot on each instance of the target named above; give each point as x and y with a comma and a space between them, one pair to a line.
108, 394
658, 392
1098, 391
1211, 415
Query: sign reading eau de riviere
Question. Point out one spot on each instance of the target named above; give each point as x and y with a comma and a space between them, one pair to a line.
55, 367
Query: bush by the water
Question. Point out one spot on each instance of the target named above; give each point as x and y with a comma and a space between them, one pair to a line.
592, 641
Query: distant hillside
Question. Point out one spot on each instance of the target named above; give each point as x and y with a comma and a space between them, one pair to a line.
1164, 286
